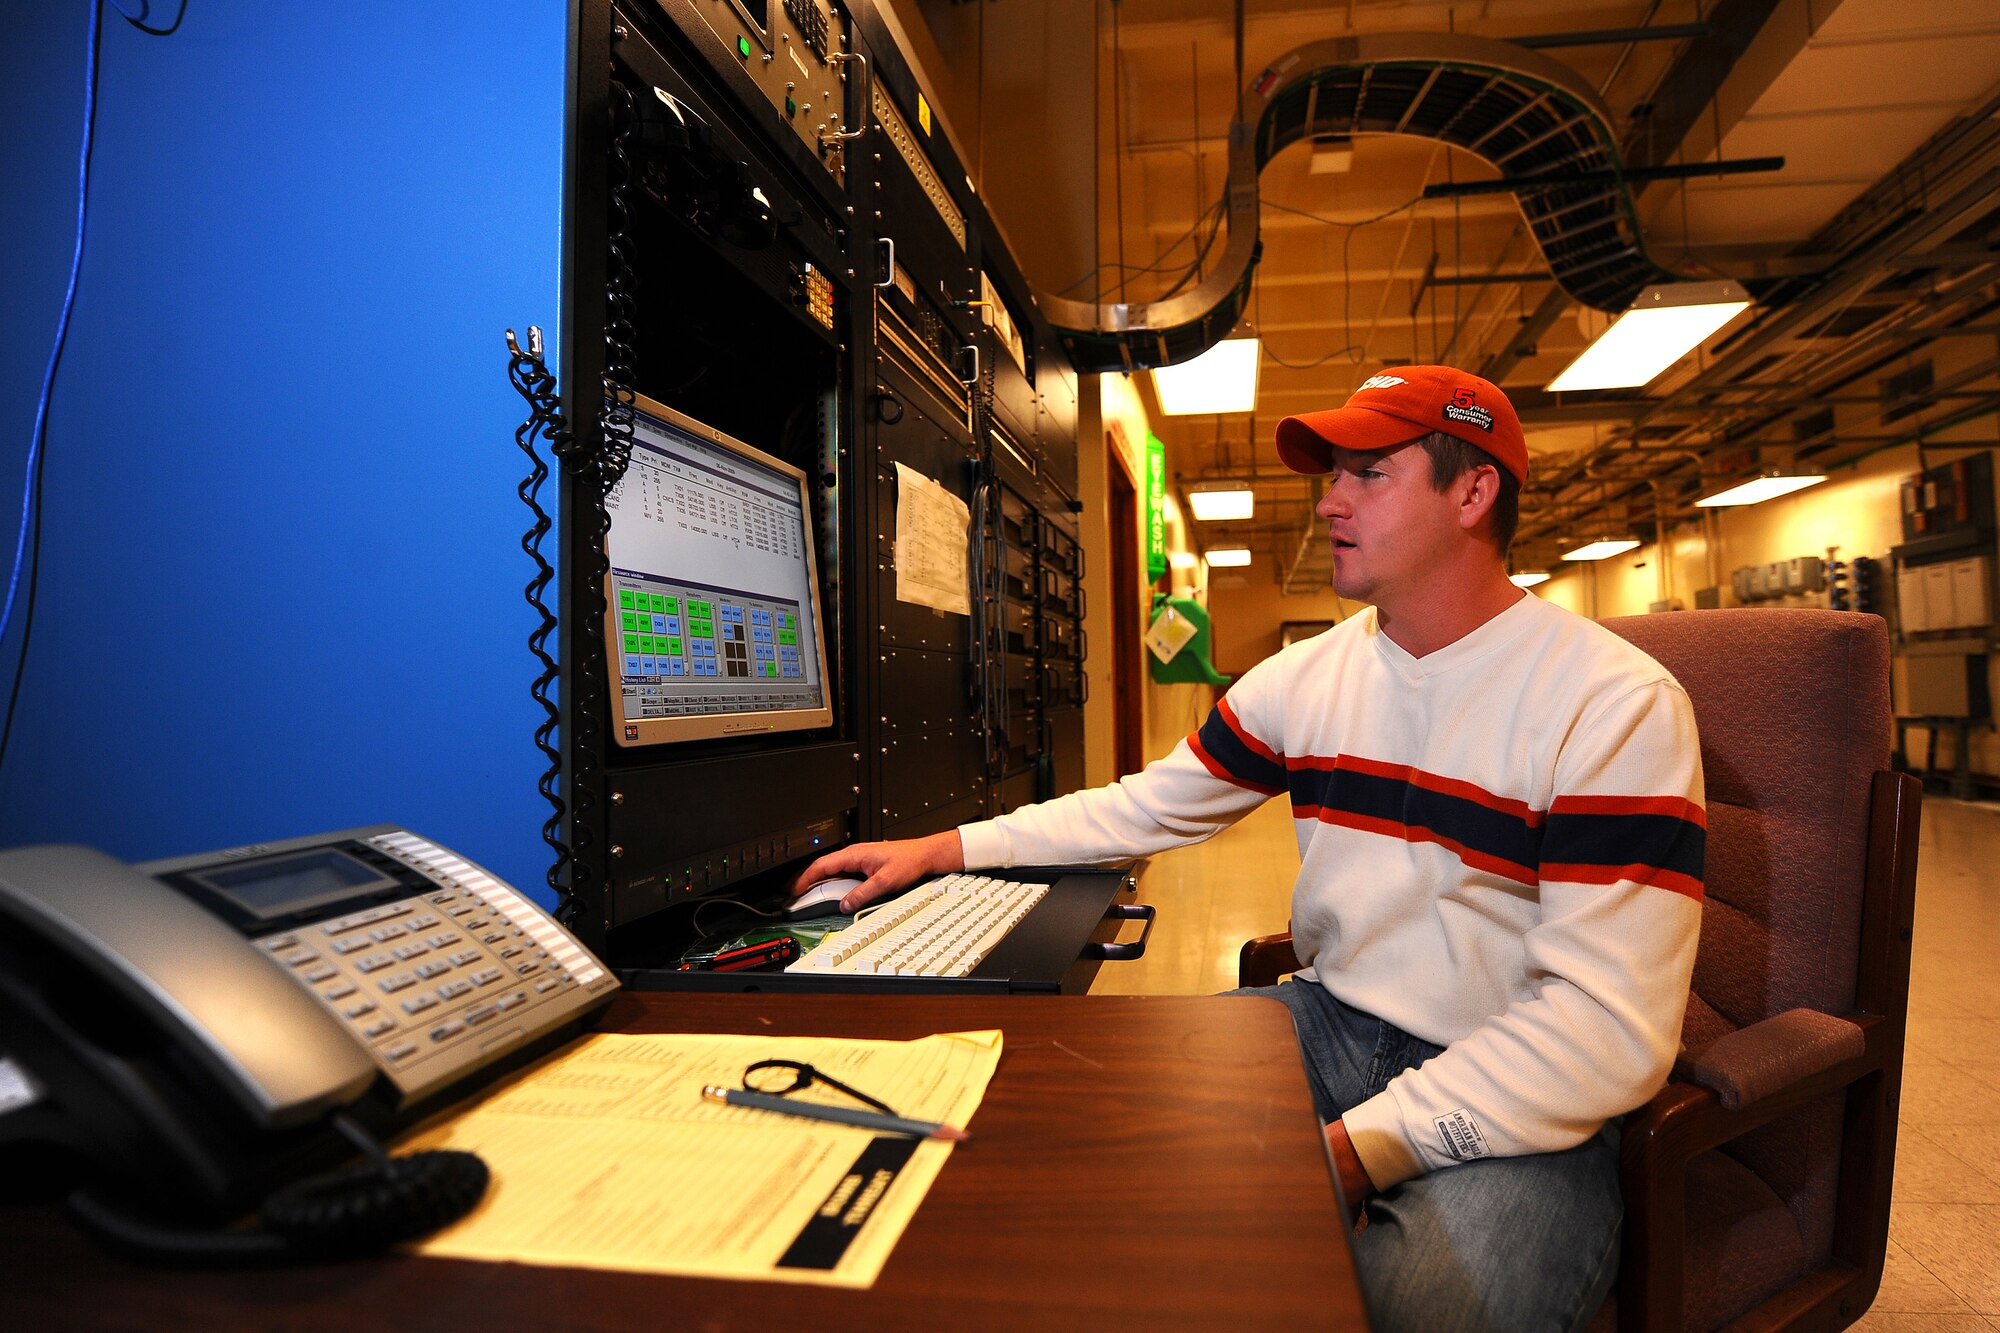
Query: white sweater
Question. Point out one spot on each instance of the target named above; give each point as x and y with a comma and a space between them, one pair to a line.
1501, 853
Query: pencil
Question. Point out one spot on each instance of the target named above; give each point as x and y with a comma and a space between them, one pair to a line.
888, 1124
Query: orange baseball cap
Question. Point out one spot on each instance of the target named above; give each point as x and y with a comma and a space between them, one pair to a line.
1405, 404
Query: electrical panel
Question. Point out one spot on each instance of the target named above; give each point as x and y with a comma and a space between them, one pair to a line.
770, 233
1945, 595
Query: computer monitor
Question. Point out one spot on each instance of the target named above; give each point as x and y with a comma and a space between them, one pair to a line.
713, 592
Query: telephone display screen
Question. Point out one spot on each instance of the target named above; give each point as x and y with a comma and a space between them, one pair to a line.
293, 883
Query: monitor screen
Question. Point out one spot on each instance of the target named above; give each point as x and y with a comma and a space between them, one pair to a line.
713, 594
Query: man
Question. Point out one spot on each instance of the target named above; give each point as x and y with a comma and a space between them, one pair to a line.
1500, 823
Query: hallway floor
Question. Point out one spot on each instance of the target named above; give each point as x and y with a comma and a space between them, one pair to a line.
1943, 1273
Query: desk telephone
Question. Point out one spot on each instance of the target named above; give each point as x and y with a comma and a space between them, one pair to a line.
192, 1036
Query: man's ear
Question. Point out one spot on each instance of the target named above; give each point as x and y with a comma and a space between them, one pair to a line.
1477, 492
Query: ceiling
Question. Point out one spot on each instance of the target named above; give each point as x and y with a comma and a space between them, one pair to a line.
1876, 243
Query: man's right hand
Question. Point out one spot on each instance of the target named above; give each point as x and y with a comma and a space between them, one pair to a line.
885, 867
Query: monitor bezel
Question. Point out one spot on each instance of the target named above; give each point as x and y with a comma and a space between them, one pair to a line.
639, 732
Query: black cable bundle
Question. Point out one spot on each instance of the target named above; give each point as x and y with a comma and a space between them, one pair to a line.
595, 474
532, 380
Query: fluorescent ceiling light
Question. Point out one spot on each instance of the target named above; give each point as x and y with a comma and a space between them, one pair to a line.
1225, 556
1222, 379
1222, 503
1181, 559
1601, 549
1758, 489
1663, 325
1528, 580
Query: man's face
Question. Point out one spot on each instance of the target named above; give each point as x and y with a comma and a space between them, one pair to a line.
1389, 527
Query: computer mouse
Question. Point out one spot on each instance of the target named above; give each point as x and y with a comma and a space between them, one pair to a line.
822, 899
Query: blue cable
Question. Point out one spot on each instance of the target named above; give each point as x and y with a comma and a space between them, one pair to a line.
35, 442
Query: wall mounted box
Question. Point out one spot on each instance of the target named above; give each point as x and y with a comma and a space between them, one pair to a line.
1943, 679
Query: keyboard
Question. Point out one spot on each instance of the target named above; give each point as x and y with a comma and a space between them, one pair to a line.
944, 928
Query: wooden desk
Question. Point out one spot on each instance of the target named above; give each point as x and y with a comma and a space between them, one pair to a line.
1138, 1162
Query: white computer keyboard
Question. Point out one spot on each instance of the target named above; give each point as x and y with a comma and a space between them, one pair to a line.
941, 929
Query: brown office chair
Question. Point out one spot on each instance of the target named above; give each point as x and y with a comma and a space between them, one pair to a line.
1757, 1181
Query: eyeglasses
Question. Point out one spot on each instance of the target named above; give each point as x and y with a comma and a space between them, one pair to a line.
781, 1078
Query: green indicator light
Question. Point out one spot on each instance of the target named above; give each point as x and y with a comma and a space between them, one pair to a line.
743, 47
791, 107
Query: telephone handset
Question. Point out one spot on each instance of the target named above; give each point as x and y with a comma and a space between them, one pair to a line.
193, 1035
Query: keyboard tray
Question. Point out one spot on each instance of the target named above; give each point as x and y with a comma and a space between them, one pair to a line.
1042, 955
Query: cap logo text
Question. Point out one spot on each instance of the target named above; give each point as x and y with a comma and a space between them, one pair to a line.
1462, 408
1380, 382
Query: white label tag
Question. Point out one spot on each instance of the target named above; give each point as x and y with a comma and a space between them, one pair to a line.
1461, 1136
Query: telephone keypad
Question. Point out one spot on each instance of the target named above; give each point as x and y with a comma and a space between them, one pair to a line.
446, 953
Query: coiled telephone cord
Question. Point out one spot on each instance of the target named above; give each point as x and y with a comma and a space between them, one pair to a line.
342, 1214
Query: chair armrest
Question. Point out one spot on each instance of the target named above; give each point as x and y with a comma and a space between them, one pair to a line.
1748, 1065
1265, 959
1684, 1119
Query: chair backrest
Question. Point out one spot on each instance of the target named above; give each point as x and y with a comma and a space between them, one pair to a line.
1793, 709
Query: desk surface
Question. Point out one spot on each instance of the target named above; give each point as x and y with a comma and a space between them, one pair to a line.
1136, 1161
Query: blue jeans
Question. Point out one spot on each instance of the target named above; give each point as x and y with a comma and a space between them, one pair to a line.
1528, 1243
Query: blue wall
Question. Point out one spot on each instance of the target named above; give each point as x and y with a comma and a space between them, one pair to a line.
280, 567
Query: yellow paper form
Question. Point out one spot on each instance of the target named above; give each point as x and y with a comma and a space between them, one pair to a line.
932, 565
606, 1156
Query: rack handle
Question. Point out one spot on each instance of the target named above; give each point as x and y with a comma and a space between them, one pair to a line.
1124, 953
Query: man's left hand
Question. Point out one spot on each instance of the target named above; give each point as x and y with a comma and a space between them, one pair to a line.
1355, 1186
